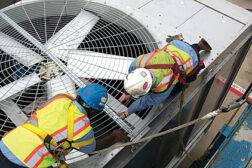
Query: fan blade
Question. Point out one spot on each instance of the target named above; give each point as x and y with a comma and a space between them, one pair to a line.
88, 64
71, 35
60, 84
13, 112
18, 85
18, 51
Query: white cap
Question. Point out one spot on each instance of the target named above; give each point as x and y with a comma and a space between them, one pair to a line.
138, 82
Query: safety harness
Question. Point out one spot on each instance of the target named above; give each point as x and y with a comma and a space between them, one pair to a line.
177, 69
60, 149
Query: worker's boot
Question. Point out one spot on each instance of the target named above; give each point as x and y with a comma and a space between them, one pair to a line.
175, 37
203, 44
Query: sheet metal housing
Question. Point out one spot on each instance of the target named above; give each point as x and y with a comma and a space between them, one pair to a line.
225, 26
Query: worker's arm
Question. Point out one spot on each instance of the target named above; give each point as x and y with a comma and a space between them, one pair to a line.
88, 148
115, 136
149, 100
125, 98
132, 66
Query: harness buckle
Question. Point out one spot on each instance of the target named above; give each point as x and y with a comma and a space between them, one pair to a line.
178, 69
60, 150
64, 145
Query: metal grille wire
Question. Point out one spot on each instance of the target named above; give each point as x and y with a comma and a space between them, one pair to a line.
115, 33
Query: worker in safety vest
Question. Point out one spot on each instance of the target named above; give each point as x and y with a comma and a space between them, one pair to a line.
55, 128
153, 76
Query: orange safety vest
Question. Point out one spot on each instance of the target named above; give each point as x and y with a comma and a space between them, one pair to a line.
51, 117
162, 62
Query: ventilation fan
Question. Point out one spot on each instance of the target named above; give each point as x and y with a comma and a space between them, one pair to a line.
48, 47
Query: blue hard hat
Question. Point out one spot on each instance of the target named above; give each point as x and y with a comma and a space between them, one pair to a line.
94, 95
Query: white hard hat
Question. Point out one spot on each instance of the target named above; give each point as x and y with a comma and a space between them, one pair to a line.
138, 82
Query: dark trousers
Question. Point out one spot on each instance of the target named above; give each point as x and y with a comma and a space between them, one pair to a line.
196, 47
5, 163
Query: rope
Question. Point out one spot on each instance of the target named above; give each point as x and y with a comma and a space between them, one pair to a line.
233, 105
232, 117
181, 141
207, 116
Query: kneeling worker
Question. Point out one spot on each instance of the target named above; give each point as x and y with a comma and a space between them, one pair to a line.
55, 128
153, 76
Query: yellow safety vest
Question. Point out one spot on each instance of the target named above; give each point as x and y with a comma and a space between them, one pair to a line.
166, 56
52, 118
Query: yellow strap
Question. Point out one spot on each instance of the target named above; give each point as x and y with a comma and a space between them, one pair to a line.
83, 143
70, 123
70, 130
39, 131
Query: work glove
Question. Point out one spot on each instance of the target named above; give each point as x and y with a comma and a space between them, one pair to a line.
123, 115
125, 98
120, 136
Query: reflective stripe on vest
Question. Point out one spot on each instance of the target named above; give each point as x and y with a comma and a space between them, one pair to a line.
80, 124
61, 134
181, 57
27, 146
145, 59
33, 153
37, 156
165, 82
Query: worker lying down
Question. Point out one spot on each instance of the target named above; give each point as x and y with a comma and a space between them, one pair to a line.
55, 128
153, 76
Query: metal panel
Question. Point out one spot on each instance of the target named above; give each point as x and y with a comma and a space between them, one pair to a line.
203, 25
192, 143
222, 82
165, 18
229, 9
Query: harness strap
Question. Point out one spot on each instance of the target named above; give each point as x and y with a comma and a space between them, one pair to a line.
160, 66
83, 143
200, 66
46, 137
70, 123
70, 132
67, 144
176, 68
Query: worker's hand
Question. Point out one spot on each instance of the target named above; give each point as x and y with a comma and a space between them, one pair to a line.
123, 115
125, 98
120, 136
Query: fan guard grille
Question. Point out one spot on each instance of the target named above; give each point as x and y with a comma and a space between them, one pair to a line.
115, 33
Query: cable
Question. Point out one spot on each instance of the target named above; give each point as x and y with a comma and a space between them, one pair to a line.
232, 105
209, 115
